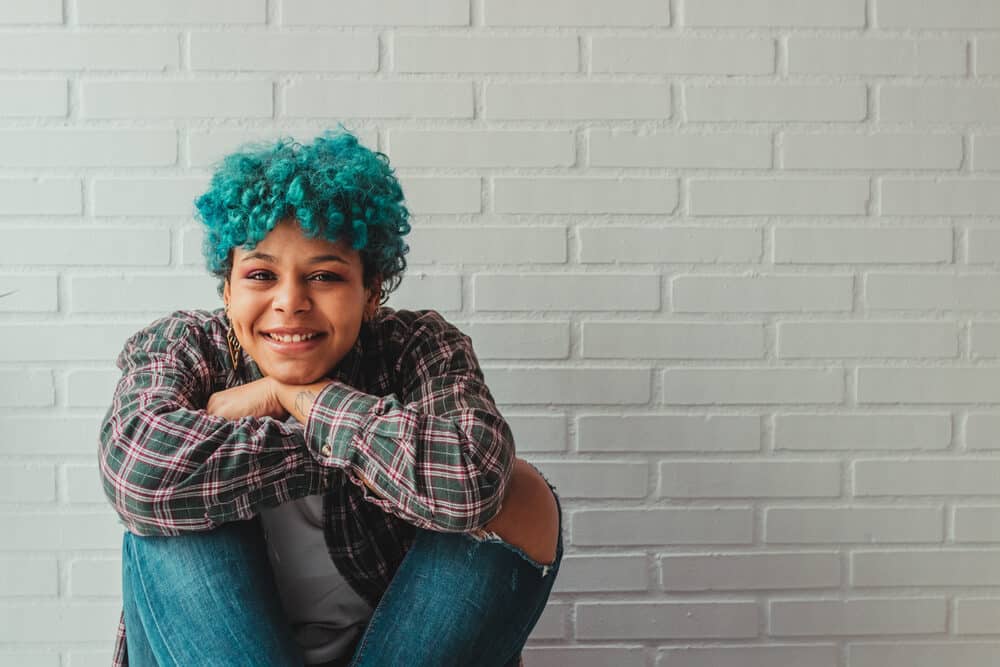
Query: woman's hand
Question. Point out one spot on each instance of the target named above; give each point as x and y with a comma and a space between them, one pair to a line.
254, 399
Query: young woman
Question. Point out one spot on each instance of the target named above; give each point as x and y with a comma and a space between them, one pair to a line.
305, 475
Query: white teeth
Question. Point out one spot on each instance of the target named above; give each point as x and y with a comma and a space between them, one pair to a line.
293, 338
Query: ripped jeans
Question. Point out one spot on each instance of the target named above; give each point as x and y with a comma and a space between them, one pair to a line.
456, 599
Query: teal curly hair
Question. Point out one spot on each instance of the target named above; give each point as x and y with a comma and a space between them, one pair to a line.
334, 187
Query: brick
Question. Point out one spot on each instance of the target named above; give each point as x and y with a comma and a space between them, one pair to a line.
67, 435
538, 433
982, 246
146, 293
566, 291
577, 101
89, 51
83, 658
974, 14
874, 57
930, 567
147, 197
676, 244
752, 386
379, 99
374, 12
845, 525
695, 151
552, 623
422, 290
768, 13
938, 103
57, 341
749, 572
985, 152
798, 293
28, 293
977, 524
442, 195
585, 195
41, 196
55, 622
682, 55
598, 574
91, 387
481, 148
774, 103
666, 620
49, 246
772, 655
927, 477
597, 479
891, 340
841, 432
266, 51
40, 11
924, 654
28, 576
26, 483
564, 386
82, 483
101, 578
987, 56
624, 528
693, 340
928, 385
190, 244
175, 99
88, 148
589, 656
982, 431
882, 150
921, 291
888, 616
169, 12
904, 196
26, 389
754, 479
21, 98
599, 13
974, 616
464, 53
487, 245
785, 196
205, 147
805, 245
58, 532
668, 433
519, 339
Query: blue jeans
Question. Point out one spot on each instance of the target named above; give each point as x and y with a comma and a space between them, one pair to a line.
209, 598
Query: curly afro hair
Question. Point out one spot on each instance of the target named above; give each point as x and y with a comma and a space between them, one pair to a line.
334, 187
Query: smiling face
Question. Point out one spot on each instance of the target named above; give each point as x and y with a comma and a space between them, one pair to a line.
296, 303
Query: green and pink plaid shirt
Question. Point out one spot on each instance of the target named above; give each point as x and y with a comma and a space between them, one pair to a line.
408, 412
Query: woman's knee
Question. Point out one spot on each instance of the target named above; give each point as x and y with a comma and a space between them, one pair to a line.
529, 516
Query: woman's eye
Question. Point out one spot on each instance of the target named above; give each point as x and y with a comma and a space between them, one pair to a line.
327, 277
259, 275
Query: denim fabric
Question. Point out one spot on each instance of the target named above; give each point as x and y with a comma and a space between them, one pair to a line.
209, 598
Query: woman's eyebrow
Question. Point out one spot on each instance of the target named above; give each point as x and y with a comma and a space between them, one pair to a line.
314, 260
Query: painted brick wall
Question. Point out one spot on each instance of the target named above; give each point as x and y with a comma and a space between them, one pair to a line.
730, 266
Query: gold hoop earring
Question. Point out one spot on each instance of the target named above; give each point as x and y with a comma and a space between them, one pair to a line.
234, 346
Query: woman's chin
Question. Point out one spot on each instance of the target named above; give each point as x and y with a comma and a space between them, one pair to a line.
293, 376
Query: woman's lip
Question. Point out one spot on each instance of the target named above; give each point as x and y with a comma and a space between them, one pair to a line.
291, 348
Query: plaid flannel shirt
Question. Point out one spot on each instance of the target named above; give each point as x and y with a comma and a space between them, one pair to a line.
408, 435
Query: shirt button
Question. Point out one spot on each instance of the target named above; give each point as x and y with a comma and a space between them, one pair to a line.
326, 450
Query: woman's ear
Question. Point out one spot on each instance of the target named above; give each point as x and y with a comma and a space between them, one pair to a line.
226, 292
374, 296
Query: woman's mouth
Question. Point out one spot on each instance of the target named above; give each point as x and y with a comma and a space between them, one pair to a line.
292, 343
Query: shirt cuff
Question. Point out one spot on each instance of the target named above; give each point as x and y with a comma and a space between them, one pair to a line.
338, 415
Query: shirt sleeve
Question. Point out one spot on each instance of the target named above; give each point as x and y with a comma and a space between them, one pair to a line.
438, 456
167, 466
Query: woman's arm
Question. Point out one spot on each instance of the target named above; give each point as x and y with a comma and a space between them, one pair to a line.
167, 465
439, 456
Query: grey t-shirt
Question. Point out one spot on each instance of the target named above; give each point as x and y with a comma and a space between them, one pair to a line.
327, 616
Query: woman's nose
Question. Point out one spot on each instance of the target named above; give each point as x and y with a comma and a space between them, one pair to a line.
291, 297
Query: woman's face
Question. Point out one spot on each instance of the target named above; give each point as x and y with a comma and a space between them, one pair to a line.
296, 303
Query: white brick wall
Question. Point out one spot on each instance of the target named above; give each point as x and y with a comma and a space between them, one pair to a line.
730, 267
